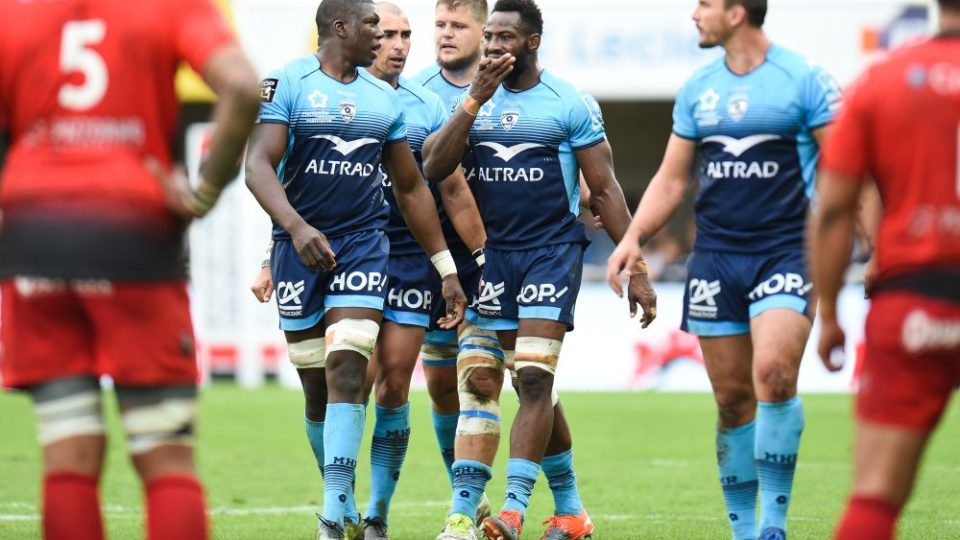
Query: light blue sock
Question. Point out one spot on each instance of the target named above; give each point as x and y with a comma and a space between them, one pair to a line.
341, 444
391, 434
445, 427
315, 436
521, 476
558, 469
779, 426
738, 478
469, 482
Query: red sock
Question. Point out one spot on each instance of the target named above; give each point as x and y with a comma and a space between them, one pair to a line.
175, 509
71, 507
868, 518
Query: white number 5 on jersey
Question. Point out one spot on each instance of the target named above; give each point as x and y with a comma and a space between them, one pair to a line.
76, 55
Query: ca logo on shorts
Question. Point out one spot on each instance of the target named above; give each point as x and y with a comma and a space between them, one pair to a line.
288, 295
702, 298
489, 301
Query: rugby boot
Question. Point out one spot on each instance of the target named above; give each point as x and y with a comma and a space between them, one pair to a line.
328, 530
374, 529
483, 509
506, 526
458, 527
568, 527
352, 528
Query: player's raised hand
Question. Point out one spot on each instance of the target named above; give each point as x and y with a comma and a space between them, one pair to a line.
640, 291
831, 344
491, 74
262, 287
456, 302
313, 248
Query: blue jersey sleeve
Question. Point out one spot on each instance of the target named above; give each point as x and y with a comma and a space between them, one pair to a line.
276, 99
398, 131
586, 121
821, 96
438, 113
684, 124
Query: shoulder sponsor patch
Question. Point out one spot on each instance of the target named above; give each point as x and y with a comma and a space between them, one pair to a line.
268, 89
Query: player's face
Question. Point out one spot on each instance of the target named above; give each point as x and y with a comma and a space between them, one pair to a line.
505, 34
364, 42
457, 37
395, 45
711, 19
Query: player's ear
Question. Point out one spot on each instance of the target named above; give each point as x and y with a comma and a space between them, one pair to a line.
736, 15
340, 28
533, 43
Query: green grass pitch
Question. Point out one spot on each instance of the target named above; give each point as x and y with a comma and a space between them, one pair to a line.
644, 463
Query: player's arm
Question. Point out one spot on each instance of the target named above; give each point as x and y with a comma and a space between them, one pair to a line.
659, 202
444, 148
830, 244
462, 209
420, 212
606, 199
268, 142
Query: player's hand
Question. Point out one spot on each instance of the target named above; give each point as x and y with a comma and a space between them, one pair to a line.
313, 248
262, 287
492, 72
640, 291
456, 302
627, 255
175, 186
831, 344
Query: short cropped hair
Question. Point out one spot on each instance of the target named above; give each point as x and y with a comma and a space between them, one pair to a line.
331, 11
756, 10
953, 5
530, 14
478, 8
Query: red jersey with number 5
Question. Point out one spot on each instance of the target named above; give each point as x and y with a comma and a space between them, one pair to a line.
86, 95
899, 125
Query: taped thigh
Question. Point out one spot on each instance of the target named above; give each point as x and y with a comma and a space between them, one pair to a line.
537, 352
68, 407
309, 353
357, 335
157, 415
439, 349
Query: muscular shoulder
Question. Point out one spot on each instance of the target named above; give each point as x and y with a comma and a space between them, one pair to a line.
792, 64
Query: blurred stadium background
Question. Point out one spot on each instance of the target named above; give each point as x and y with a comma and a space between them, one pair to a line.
632, 55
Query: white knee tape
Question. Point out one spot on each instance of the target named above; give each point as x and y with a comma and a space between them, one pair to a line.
541, 353
510, 361
357, 335
478, 415
309, 353
169, 421
69, 416
477, 343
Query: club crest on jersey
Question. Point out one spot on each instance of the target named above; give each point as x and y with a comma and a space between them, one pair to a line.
509, 118
737, 106
348, 110
268, 88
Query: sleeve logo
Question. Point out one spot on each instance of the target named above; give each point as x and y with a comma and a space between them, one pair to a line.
268, 89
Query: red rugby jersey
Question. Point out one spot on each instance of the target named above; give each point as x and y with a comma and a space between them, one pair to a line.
87, 92
900, 124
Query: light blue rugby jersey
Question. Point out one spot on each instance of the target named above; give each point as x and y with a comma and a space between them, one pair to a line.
432, 79
424, 113
758, 158
527, 176
335, 136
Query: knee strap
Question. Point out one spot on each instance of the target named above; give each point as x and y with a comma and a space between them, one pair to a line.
357, 335
157, 416
67, 407
309, 353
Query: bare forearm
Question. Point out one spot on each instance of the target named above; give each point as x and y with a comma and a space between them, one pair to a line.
462, 211
658, 204
268, 191
233, 115
444, 149
830, 255
609, 203
420, 213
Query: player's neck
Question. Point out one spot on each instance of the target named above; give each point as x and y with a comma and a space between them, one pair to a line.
333, 63
524, 80
950, 22
746, 50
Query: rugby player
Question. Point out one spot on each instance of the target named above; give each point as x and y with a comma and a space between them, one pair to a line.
528, 138
90, 273
324, 129
756, 117
899, 126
